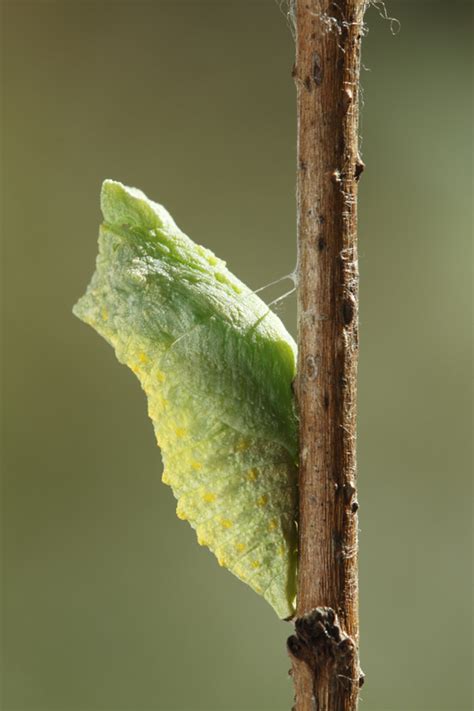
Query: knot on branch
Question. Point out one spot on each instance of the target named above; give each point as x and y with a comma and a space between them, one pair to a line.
327, 650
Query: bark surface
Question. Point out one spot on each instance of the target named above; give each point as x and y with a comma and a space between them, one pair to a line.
324, 649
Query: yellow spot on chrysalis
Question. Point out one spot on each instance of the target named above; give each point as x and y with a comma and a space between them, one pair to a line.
165, 478
252, 474
255, 564
282, 551
195, 465
160, 376
143, 358
202, 540
222, 560
180, 513
242, 445
239, 547
105, 314
208, 256
262, 500
273, 524
209, 497
179, 431
226, 523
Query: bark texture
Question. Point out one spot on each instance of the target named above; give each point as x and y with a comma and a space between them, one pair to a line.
324, 649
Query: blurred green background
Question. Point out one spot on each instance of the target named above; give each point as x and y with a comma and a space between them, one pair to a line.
109, 603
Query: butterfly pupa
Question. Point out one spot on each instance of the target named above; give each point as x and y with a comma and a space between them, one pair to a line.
216, 365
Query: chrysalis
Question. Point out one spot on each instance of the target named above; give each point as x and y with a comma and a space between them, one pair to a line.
217, 366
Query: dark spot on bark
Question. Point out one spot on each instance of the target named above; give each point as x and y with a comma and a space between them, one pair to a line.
347, 311
294, 71
326, 401
338, 543
322, 219
349, 492
359, 169
295, 647
307, 83
361, 680
317, 69
321, 244
303, 165
313, 36
345, 646
355, 507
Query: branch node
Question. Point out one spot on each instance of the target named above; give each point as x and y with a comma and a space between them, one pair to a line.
320, 642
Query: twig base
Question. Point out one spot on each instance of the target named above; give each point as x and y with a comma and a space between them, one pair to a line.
326, 650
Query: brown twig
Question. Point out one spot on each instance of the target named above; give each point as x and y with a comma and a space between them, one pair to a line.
324, 649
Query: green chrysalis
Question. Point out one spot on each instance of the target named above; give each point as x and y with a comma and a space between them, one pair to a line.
217, 367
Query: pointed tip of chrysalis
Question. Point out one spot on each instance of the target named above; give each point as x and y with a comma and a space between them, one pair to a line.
121, 204
114, 192
124, 205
